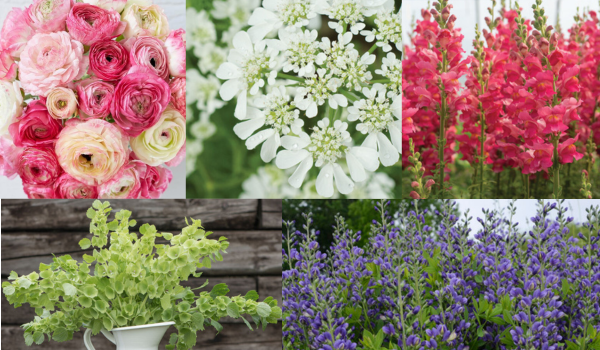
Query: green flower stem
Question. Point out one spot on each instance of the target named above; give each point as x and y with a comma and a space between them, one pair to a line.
373, 48
383, 81
290, 77
348, 95
556, 180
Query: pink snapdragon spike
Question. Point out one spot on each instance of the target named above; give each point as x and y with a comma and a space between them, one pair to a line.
529, 101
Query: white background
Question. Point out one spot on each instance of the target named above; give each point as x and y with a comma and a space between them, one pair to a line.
465, 11
175, 11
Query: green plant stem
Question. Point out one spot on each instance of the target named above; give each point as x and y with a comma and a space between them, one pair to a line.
442, 140
348, 95
383, 81
556, 185
290, 77
482, 136
373, 48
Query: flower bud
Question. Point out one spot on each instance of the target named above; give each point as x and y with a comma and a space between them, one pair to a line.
429, 183
554, 39
544, 46
414, 184
414, 195
488, 21
549, 28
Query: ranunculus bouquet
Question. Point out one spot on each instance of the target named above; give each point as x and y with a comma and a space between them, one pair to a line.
103, 83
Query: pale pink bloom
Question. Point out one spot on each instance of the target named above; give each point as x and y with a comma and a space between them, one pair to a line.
150, 52
145, 20
90, 24
68, 187
9, 155
61, 103
154, 180
178, 158
92, 151
175, 44
48, 16
51, 60
95, 97
38, 166
125, 184
39, 192
177, 86
117, 5
8, 67
16, 31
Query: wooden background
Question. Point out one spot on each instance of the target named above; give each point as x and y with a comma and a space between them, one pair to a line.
33, 229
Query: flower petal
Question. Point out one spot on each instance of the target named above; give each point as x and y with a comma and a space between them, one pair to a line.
228, 70
242, 104
357, 171
244, 129
343, 183
242, 41
367, 157
324, 182
287, 159
388, 154
396, 135
258, 138
269, 148
229, 89
298, 176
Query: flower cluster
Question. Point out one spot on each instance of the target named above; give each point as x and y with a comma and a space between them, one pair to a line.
431, 284
528, 101
92, 99
316, 102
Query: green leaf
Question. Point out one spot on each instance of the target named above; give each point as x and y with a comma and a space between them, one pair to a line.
189, 337
206, 263
263, 309
38, 337
85, 243
91, 213
9, 290
591, 331
251, 295
89, 291
217, 325
107, 323
498, 321
183, 306
88, 258
173, 338
233, 310
69, 289
219, 289
198, 320
165, 301
85, 301
28, 339
60, 334
167, 315
379, 339
184, 317
101, 306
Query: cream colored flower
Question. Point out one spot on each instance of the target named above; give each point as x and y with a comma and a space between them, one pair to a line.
61, 103
161, 142
144, 19
11, 102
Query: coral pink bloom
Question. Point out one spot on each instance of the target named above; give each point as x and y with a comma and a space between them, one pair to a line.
15, 33
424, 98
450, 81
95, 97
38, 166
444, 38
538, 158
39, 192
553, 118
90, 24
567, 151
48, 16
570, 82
177, 86
543, 83
35, 127
154, 180
68, 187
149, 52
408, 125
571, 105
427, 70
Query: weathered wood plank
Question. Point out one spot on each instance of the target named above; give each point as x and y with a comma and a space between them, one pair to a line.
274, 205
63, 214
232, 337
270, 286
16, 245
270, 213
249, 253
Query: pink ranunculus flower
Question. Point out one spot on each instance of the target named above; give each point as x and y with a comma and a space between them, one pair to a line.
89, 24
51, 60
8, 67
117, 5
69, 188
39, 192
61, 103
144, 20
109, 60
35, 127
149, 52
125, 184
175, 44
48, 16
154, 180
140, 99
95, 97
177, 86
38, 166
92, 151
16, 31
9, 156
178, 158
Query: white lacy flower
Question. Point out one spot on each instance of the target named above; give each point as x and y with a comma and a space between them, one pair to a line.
343, 60
387, 31
375, 116
203, 128
200, 28
193, 148
278, 114
244, 71
350, 12
300, 50
11, 102
210, 57
203, 91
268, 182
391, 68
317, 90
275, 14
325, 147
378, 185
237, 11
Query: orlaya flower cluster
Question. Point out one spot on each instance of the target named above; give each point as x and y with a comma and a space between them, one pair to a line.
528, 103
311, 102
419, 286
103, 83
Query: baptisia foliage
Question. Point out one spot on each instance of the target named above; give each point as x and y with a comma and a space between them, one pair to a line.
316, 102
136, 280
418, 287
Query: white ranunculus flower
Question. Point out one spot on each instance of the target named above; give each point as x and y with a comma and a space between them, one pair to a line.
161, 142
117, 5
245, 69
11, 104
275, 14
142, 18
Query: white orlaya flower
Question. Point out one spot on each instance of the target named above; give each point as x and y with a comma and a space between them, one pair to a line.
277, 115
350, 12
376, 115
203, 128
210, 57
387, 30
203, 91
200, 28
324, 148
316, 91
344, 61
300, 50
246, 65
391, 68
237, 11
275, 14
377, 185
268, 182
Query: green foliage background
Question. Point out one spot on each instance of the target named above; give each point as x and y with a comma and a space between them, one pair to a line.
225, 163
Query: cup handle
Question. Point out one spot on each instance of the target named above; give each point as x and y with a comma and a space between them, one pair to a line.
87, 338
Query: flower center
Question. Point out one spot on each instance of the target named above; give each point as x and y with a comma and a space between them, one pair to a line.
327, 144
347, 11
375, 116
254, 67
293, 12
85, 160
280, 114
